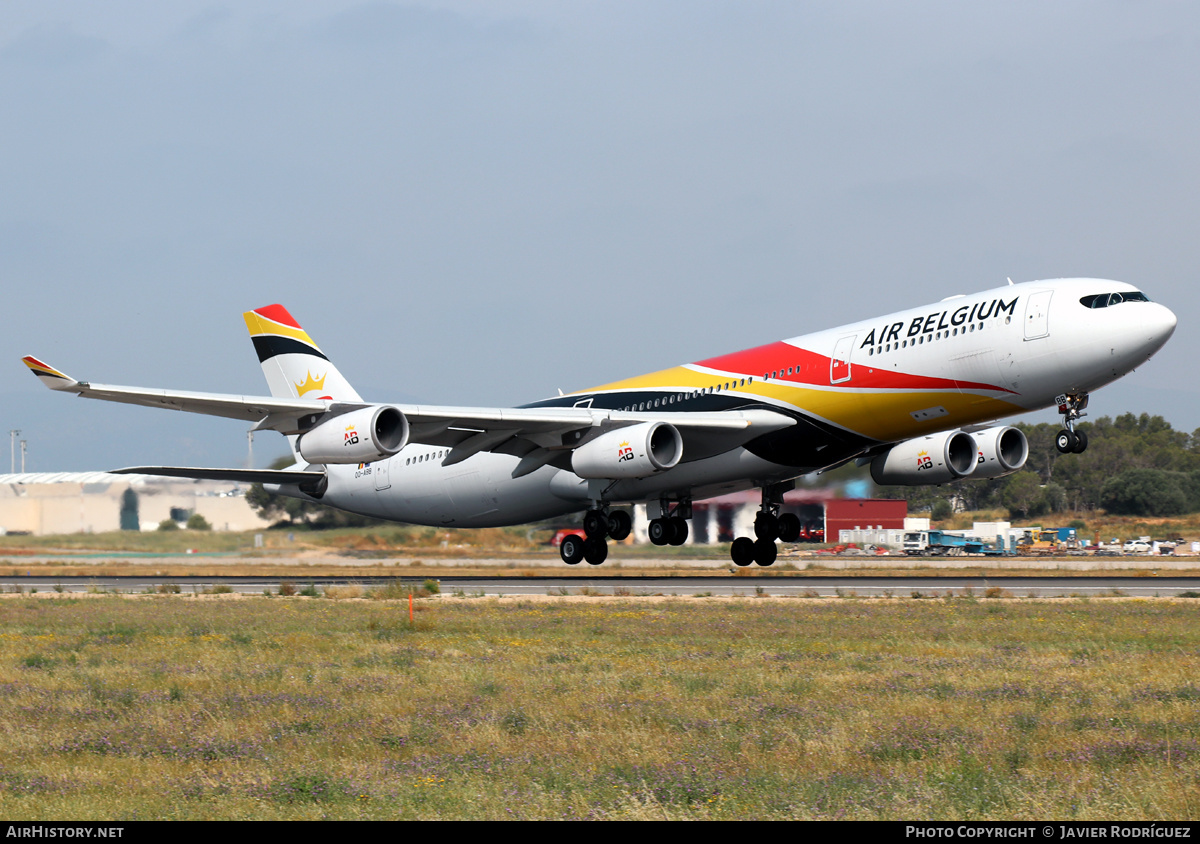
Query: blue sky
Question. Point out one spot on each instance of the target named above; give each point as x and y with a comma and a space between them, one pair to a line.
479, 203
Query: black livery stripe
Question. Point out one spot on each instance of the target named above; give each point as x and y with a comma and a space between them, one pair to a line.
269, 345
810, 444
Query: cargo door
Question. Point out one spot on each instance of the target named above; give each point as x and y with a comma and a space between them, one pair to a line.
380, 471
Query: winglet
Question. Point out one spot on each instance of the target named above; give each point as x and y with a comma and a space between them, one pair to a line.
48, 375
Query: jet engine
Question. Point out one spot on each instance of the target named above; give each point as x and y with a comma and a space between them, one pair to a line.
361, 436
637, 451
1002, 451
935, 459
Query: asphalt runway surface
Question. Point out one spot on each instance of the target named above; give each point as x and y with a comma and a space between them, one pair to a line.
625, 585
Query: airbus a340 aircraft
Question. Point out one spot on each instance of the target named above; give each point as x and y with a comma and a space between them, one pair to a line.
913, 394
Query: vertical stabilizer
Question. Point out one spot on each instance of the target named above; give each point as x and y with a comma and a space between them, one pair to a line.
295, 367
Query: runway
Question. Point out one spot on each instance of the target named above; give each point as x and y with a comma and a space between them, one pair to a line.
626, 585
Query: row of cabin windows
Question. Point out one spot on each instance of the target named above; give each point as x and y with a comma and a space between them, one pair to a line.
423, 458
678, 397
926, 338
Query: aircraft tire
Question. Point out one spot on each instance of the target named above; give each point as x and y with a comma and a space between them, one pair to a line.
1081, 443
765, 552
1065, 441
766, 527
595, 551
789, 527
595, 524
742, 551
659, 532
679, 530
571, 549
620, 524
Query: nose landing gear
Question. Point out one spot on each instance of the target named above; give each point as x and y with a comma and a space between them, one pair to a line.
1068, 440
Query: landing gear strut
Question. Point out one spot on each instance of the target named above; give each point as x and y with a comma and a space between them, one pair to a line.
769, 525
1068, 440
599, 525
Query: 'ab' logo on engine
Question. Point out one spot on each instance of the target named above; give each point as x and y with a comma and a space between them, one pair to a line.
924, 461
624, 452
350, 437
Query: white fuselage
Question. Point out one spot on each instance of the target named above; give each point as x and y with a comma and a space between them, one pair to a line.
962, 361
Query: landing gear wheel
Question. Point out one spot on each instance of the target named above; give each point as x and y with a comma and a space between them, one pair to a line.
679, 530
620, 523
1080, 443
659, 531
742, 551
765, 552
1065, 442
571, 549
595, 524
766, 527
595, 551
789, 527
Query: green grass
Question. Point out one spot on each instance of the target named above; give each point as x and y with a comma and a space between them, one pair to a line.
172, 706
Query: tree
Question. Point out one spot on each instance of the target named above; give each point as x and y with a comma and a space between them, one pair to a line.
1023, 493
198, 522
1146, 492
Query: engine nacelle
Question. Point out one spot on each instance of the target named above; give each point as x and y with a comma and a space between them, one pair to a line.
935, 459
361, 436
1002, 451
637, 451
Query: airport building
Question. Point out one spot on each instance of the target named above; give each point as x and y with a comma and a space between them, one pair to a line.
821, 515
97, 502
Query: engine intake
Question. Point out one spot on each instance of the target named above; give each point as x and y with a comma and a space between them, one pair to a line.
361, 436
637, 451
1002, 451
936, 459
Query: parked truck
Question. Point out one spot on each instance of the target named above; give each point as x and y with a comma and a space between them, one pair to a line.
933, 543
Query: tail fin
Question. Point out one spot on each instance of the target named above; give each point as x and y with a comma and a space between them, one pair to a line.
294, 366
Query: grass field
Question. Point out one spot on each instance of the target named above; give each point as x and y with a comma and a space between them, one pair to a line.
222, 707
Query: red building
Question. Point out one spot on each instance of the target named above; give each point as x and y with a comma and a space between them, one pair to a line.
863, 513
725, 517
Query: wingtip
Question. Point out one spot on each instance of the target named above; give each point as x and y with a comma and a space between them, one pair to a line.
48, 375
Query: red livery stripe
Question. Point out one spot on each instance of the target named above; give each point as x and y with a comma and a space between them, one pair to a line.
812, 368
279, 314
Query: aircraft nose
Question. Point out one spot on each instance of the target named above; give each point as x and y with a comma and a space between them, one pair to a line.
1156, 325
1163, 322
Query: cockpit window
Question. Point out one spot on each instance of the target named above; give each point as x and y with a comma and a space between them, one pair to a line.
1104, 300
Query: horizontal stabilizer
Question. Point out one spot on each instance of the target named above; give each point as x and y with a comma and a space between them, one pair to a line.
253, 476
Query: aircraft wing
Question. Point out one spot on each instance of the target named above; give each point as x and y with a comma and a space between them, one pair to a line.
251, 476
538, 435
272, 413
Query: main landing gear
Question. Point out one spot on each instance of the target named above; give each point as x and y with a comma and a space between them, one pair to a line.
769, 525
599, 526
671, 529
1068, 440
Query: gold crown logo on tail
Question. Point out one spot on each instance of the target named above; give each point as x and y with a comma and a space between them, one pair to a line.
310, 384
